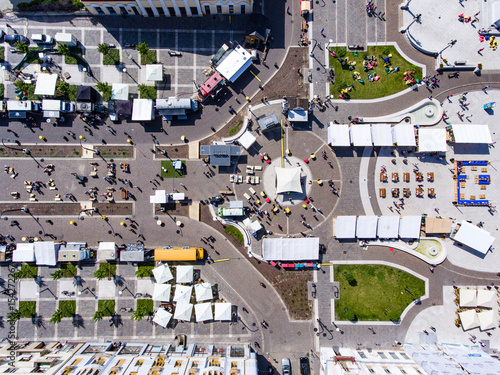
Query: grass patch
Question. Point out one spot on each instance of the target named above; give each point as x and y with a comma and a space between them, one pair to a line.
147, 92
235, 233
168, 171
112, 57
387, 85
235, 129
105, 270
70, 59
374, 292
107, 306
27, 309
145, 270
2, 54
28, 88
149, 58
2, 91
68, 308
147, 305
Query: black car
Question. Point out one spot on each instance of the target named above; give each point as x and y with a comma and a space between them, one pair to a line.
304, 365
216, 200
11, 39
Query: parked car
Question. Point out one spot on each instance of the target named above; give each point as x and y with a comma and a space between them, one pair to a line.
67, 107
216, 200
304, 365
42, 39
37, 107
285, 366
2, 33
11, 39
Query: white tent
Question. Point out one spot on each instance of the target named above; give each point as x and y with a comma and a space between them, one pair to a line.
361, 135
290, 249
25, 252
119, 91
487, 319
222, 311
468, 297
162, 274
288, 180
154, 72
381, 135
182, 293
471, 133
409, 226
246, 140
469, 319
162, 317
184, 274
142, 110
474, 237
388, 227
183, 311
159, 197
45, 84
46, 253
431, 140
487, 298
161, 292
344, 227
203, 312
338, 135
203, 292
366, 226
403, 135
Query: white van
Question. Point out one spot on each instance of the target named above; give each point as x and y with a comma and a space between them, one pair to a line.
42, 39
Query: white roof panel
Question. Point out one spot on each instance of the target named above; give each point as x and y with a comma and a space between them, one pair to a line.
46, 253
361, 135
344, 227
119, 91
467, 297
159, 197
183, 311
290, 249
381, 135
288, 180
403, 135
234, 64
431, 140
51, 105
338, 135
142, 110
203, 312
409, 226
366, 226
474, 237
246, 140
388, 227
25, 252
154, 72
487, 298
222, 311
162, 317
487, 319
45, 84
471, 133
469, 319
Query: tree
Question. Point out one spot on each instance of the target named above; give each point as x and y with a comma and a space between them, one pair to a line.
14, 316
25, 272
22, 47
103, 48
57, 274
105, 89
138, 315
98, 315
57, 316
143, 272
142, 48
62, 48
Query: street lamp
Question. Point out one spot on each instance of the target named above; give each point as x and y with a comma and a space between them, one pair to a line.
330, 41
405, 6
312, 51
415, 19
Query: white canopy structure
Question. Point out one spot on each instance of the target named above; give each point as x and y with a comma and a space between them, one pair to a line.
388, 227
338, 135
344, 227
381, 135
162, 317
119, 91
361, 135
183, 311
487, 319
46, 253
184, 274
366, 227
25, 252
288, 180
403, 135
160, 197
182, 293
471, 133
233, 65
487, 298
474, 237
409, 226
45, 84
203, 312
203, 292
162, 274
290, 249
161, 292
246, 140
469, 319
154, 72
431, 140
222, 311
142, 110
468, 297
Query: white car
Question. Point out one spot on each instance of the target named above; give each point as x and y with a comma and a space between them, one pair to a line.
42, 39
285, 366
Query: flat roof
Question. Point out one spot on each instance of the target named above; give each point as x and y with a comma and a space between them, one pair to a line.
403, 135
431, 140
338, 135
366, 226
388, 227
471, 133
361, 135
45, 84
381, 135
409, 226
236, 62
290, 249
474, 237
142, 110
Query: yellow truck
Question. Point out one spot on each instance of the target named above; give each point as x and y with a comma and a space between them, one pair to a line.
179, 254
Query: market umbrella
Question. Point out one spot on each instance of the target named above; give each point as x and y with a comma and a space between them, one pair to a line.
183, 311
203, 311
162, 274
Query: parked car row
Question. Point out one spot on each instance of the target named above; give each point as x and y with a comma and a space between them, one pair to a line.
40, 39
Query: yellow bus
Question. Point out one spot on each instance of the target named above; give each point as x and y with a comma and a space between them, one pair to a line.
173, 254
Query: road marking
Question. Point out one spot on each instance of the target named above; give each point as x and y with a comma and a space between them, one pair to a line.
221, 260
176, 78
255, 75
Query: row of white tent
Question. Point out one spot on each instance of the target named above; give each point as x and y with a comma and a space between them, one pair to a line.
184, 274
485, 320
478, 298
203, 292
368, 227
429, 140
204, 311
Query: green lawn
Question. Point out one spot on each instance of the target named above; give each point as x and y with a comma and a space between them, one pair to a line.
146, 304
2, 91
70, 59
107, 306
145, 270
170, 171
69, 270
2, 54
27, 309
388, 84
147, 92
105, 270
112, 57
68, 308
374, 292
149, 58
28, 88
232, 231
